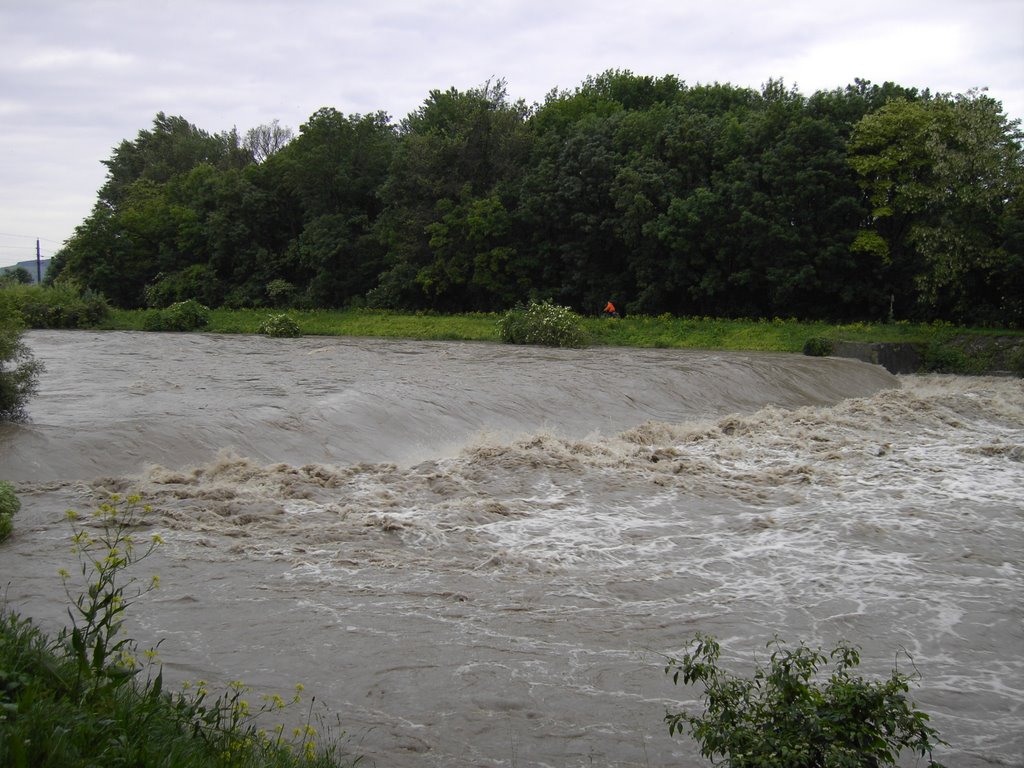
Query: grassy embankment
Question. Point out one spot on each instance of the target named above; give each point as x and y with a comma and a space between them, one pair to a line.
943, 342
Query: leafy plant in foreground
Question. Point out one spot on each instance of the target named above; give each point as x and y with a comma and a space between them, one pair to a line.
104, 659
786, 716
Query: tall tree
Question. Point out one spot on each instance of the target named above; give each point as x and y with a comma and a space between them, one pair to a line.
172, 146
267, 139
941, 176
458, 155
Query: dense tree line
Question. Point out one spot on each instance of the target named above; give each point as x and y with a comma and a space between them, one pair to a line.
863, 202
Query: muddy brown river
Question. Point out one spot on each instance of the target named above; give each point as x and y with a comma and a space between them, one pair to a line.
477, 554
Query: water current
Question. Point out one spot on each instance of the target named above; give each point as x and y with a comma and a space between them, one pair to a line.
477, 555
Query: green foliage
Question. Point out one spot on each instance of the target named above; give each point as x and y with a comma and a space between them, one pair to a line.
280, 292
280, 326
542, 323
65, 304
81, 701
198, 282
15, 276
102, 659
941, 357
9, 505
817, 346
187, 315
19, 370
787, 716
868, 201
944, 177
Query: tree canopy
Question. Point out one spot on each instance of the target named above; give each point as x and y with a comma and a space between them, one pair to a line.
863, 202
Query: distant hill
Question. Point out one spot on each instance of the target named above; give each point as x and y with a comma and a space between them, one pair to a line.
31, 267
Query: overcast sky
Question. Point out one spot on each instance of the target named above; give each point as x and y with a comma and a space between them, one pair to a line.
79, 76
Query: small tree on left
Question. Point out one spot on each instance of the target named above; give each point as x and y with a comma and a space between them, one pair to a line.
19, 370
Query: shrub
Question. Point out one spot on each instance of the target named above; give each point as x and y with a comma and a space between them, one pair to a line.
817, 346
9, 504
63, 305
19, 370
542, 323
187, 315
939, 357
280, 326
786, 717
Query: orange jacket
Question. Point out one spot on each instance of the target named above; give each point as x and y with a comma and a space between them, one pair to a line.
609, 308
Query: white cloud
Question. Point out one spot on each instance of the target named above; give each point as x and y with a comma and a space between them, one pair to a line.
60, 60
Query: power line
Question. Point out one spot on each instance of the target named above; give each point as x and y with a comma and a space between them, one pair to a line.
29, 237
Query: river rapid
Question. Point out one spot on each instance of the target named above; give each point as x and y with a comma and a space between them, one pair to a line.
477, 555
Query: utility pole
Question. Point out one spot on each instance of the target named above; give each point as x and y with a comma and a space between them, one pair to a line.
39, 264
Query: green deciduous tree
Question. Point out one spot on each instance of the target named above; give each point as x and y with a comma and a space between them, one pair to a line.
787, 716
942, 176
453, 177
712, 199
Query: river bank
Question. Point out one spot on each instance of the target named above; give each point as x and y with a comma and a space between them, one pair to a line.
926, 347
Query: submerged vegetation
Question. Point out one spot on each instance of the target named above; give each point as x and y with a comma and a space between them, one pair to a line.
90, 697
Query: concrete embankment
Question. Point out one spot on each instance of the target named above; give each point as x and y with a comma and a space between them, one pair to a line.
980, 354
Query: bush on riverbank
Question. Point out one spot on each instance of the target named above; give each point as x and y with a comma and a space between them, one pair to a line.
542, 323
187, 315
280, 326
81, 700
62, 305
19, 370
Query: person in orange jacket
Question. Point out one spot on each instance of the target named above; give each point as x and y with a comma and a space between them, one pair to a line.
609, 310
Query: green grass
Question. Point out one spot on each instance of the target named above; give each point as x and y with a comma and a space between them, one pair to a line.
766, 335
323, 322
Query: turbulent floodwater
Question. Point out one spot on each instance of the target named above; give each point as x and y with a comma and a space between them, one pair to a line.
475, 555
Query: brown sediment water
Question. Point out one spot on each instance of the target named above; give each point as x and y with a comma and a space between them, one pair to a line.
477, 554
